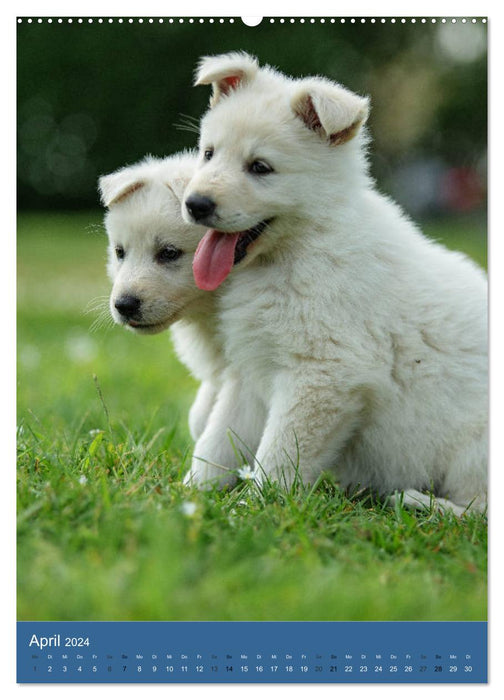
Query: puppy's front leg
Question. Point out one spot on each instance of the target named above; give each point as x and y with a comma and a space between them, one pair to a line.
234, 424
308, 424
201, 408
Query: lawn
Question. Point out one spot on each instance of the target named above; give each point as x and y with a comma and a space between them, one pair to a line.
106, 530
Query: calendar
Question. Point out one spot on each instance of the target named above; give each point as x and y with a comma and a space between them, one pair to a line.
252, 652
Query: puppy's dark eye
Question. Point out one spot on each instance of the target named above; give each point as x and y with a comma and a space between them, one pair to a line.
168, 254
260, 167
208, 154
119, 251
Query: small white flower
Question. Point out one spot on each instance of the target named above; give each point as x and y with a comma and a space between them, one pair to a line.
95, 431
247, 473
82, 479
188, 508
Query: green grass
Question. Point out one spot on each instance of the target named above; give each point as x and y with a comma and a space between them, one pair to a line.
107, 531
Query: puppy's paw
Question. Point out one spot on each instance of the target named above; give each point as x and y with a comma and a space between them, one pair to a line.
414, 500
207, 476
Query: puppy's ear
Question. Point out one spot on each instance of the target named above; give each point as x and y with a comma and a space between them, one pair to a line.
330, 109
117, 186
177, 186
225, 72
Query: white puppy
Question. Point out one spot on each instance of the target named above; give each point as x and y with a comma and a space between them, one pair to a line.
352, 342
150, 257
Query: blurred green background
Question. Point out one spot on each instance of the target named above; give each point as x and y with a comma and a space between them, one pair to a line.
100, 503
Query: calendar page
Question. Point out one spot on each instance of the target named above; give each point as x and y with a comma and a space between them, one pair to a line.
252, 349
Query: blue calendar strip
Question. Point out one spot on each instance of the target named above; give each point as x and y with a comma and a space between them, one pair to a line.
252, 652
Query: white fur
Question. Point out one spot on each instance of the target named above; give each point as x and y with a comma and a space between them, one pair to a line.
144, 215
352, 342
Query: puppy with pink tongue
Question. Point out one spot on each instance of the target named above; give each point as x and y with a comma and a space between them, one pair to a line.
351, 342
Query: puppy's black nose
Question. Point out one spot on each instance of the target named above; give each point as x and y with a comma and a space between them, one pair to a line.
199, 207
128, 305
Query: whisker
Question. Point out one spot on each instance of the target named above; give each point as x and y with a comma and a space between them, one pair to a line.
188, 123
187, 127
97, 304
95, 228
103, 320
190, 119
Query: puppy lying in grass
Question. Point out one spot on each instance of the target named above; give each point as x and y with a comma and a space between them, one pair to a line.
150, 264
352, 342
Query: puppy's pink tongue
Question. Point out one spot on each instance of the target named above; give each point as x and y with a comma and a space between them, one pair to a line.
214, 258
